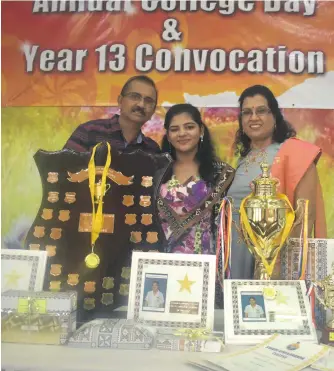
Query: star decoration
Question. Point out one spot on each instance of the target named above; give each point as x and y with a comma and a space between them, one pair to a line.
12, 279
281, 299
186, 284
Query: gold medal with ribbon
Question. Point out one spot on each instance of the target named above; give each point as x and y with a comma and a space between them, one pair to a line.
92, 260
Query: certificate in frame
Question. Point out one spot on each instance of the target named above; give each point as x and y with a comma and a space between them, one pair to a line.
172, 290
22, 269
256, 310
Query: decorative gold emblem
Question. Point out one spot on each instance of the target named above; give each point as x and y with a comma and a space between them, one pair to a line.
145, 201
52, 177
98, 191
73, 279
34, 246
64, 215
135, 237
115, 176
89, 303
53, 197
146, 219
39, 232
55, 285
128, 200
85, 223
51, 250
124, 289
126, 272
56, 269
70, 197
89, 286
108, 283
55, 233
186, 284
47, 214
107, 298
130, 219
147, 181
152, 237
269, 293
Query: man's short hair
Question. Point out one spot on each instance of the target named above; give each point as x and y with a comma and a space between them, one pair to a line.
141, 78
252, 297
155, 282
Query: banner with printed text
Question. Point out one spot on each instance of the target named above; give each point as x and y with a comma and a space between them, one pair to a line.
64, 63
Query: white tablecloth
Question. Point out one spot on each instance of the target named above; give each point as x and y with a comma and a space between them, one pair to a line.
24, 357
19, 357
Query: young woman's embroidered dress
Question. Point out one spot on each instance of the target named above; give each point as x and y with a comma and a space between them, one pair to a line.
182, 199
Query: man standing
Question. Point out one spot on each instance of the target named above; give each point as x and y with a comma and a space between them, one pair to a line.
253, 310
154, 298
137, 103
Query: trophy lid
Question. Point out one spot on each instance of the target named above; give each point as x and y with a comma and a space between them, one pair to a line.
265, 185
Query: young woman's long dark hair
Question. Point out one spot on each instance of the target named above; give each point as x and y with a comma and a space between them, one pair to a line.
283, 130
205, 154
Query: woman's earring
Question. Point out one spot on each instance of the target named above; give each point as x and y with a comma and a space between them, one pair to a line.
202, 136
170, 148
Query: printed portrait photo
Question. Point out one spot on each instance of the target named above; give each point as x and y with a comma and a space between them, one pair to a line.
154, 295
253, 307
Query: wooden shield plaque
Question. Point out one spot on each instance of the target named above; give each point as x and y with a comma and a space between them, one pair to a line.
67, 238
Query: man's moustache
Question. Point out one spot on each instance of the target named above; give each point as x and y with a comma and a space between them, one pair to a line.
139, 110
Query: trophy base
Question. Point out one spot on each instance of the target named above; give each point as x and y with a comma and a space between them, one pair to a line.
327, 336
260, 273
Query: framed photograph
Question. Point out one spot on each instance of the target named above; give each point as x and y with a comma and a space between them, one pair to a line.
255, 310
155, 287
22, 269
172, 290
253, 307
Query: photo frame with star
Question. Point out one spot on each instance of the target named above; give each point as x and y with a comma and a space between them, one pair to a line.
255, 310
22, 269
183, 285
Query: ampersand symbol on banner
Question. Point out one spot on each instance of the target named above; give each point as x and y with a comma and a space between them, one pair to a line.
170, 30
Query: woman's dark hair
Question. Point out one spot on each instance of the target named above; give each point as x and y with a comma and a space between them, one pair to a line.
283, 130
206, 153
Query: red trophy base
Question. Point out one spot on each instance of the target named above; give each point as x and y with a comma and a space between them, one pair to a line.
328, 336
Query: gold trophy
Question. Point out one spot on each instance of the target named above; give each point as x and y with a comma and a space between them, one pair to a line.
98, 191
326, 298
266, 219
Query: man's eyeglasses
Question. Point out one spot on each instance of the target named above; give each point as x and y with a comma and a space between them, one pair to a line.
259, 111
136, 97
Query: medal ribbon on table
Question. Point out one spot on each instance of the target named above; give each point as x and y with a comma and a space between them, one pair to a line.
92, 260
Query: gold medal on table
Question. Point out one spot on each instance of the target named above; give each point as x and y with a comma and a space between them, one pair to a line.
92, 260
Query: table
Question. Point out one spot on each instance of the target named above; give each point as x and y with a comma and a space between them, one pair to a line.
20, 357
26, 357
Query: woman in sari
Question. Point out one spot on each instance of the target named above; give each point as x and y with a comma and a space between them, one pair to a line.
190, 189
265, 136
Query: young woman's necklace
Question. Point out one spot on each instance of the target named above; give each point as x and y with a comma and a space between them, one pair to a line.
174, 182
255, 157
